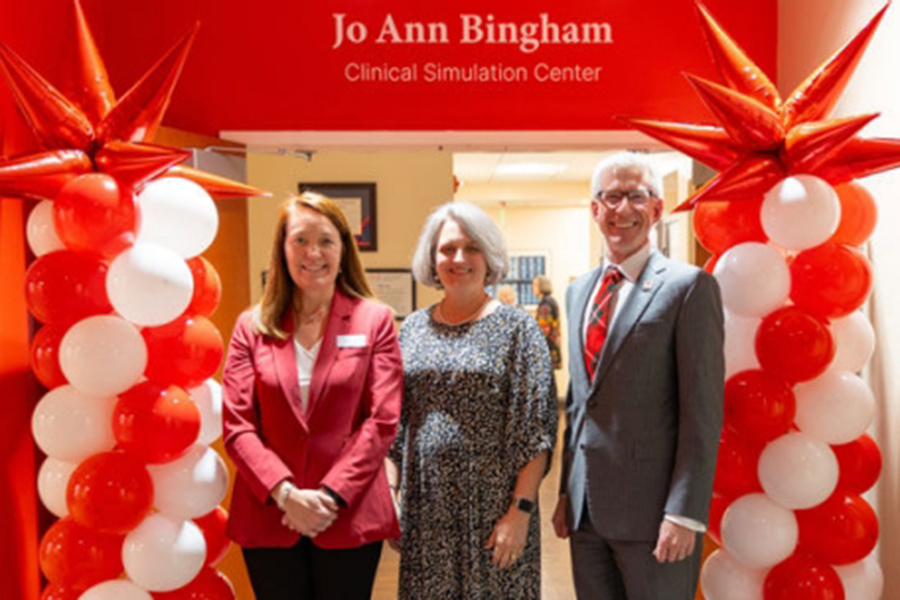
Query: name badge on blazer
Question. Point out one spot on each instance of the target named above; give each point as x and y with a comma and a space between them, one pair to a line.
357, 340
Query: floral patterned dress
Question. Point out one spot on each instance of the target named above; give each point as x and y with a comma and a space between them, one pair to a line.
479, 404
548, 318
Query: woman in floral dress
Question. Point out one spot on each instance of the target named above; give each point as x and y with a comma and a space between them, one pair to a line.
547, 316
477, 426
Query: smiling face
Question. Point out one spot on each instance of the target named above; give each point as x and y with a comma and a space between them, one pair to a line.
459, 261
626, 226
312, 248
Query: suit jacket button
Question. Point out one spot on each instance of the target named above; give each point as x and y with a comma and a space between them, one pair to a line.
592, 404
583, 446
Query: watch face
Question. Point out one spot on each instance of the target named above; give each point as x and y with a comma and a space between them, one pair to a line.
525, 505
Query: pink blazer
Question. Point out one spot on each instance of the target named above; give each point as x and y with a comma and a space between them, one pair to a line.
340, 442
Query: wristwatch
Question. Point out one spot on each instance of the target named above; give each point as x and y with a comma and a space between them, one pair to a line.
525, 505
283, 494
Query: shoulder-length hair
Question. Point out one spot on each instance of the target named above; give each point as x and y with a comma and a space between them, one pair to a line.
280, 288
477, 225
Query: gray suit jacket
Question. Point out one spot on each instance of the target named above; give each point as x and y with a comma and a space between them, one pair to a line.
641, 441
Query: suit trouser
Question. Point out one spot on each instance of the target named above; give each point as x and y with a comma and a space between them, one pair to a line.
305, 571
606, 569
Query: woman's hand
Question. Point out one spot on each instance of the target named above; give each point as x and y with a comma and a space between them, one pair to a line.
508, 538
309, 512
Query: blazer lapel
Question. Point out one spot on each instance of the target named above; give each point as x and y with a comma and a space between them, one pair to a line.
338, 322
285, 360
645, 288
580, 299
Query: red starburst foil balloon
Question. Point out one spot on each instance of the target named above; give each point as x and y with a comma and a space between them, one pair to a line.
760, 139
94, 156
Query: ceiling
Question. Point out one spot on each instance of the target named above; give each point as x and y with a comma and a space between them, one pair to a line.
540, 167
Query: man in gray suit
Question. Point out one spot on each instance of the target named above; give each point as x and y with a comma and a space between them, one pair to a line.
644, 405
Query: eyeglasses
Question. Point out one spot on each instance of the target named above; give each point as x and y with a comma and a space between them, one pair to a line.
613, 198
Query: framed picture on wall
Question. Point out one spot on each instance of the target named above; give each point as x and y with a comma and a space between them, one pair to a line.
394, 287
357, 200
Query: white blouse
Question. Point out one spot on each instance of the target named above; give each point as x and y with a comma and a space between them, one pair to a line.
306, 359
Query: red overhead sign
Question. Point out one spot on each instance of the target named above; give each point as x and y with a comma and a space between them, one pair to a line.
413, 65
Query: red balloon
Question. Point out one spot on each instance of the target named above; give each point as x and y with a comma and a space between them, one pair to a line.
721, 225
64, 286
860, 464
208, 585
840, 531
859, 213
758, 405
793, 345
717, 507
207, 287
803, 578
710, 265
59, 592
111, 492
78, 557
830, 280
185, 352
736, 472
217, 542
45, 355
155, 423
93, 213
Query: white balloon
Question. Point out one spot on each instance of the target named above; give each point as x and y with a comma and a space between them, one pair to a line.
192, 485
754, 279
836, 407
757, 532
800, 212
71, 425
149, 285
41, 230
163, 553
52, 481
854, 342
740, 343
115, 589
724, 578
862, 580
208, 398
798, 471
178, 214
103, 355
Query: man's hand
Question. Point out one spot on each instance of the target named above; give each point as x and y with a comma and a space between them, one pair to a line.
309, 512
560, 514
675, 542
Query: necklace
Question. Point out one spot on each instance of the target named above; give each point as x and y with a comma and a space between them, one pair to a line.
311, 317
469, 319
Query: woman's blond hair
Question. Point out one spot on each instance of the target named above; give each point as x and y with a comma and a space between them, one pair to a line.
279, 289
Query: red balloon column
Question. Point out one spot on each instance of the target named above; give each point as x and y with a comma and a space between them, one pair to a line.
785, 220
126, 350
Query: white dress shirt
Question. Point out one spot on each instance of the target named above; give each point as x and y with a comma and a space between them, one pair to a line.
631, 268
306, 360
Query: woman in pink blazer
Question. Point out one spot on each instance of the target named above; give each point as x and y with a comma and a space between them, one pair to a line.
312, 387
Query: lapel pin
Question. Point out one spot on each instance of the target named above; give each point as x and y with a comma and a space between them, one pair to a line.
648, 284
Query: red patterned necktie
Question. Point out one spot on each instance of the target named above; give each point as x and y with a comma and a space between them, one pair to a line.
599, 320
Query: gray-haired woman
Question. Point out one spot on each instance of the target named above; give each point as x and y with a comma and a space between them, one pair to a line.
477, 426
